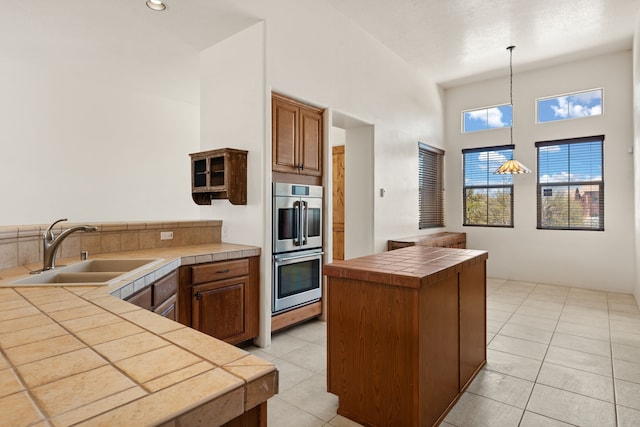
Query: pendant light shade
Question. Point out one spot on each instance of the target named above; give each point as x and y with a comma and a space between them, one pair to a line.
511, 167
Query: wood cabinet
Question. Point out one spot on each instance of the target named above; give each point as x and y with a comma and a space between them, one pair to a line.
159, 297
221, 298
219, 174
297, 139
420, 339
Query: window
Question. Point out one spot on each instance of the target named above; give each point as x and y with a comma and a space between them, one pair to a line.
487, 197
499, 116
569, 106
570, 186
430, 187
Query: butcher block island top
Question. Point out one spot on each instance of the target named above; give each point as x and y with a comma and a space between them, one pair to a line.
81, 356
406, 333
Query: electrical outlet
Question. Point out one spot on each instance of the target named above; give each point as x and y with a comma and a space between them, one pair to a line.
166, 235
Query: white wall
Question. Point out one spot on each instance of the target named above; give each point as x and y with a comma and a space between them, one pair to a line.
359, 192
232, 107
597, 260
91, 151
316, 55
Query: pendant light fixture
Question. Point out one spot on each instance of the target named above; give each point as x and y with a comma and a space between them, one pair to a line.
511, 166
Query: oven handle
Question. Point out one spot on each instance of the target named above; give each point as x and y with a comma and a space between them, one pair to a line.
297, 241
305, 215
299, 256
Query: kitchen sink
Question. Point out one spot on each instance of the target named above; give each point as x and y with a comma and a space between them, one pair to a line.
75, 278
108, 265
95, 272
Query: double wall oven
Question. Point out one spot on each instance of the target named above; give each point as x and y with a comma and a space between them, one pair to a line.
297, 245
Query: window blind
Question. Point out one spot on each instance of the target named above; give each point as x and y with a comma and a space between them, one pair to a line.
487, 197
570, 190
431, 186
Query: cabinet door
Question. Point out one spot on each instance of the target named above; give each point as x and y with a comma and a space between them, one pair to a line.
219, 309
142, 299
165, 287
285, 136
310, 154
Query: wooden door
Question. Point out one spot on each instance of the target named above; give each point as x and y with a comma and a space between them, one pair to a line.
219, 309
284, 128
337, 157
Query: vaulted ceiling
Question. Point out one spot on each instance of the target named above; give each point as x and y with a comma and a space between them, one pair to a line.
452, 41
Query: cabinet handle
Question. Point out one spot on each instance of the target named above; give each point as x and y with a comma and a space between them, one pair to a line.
167, 310
301, 167
223, 271
197, 296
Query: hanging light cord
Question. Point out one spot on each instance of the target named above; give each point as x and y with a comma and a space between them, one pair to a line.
510, 49
511, 166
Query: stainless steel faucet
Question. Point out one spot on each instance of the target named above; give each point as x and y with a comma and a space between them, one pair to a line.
51, 243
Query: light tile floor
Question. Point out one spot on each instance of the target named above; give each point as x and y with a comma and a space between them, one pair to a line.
556, 356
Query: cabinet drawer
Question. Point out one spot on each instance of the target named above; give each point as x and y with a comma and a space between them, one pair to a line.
219, 270
165, 287
142, 299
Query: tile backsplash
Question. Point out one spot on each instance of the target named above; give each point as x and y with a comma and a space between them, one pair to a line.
22, 244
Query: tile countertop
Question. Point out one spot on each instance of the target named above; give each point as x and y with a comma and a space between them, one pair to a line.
80, 355
411, 267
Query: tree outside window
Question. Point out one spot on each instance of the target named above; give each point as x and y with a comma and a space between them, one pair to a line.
487, 197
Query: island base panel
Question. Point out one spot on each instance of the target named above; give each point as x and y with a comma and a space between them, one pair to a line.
370, 384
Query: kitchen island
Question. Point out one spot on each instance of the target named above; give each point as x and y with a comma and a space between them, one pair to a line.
406, 333
80, 355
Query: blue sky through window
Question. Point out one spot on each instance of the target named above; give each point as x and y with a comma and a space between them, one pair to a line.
569, 163
479, 168
499, 116
570, 106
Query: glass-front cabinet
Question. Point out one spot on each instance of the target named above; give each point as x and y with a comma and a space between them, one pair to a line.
219, 174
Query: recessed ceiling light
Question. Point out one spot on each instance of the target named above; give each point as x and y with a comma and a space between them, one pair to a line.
156, 5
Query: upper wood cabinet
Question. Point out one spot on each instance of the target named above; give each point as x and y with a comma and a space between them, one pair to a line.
219, 174
297, 137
